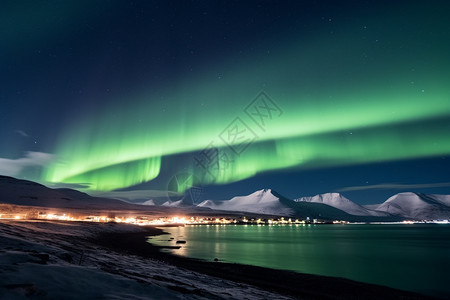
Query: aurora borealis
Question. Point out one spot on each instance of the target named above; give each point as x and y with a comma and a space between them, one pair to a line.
131, 93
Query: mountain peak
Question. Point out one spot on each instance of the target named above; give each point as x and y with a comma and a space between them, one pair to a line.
264, 201
339, 201
408, 194
417, 206
262, 191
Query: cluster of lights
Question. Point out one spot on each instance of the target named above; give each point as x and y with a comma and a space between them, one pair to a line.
426, 221
11, 217
143, 220
104, 219
146, 221
140, 220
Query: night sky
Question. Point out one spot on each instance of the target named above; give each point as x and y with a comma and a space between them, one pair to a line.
228, 97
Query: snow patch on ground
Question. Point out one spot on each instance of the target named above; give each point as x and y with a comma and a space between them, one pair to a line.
55, 260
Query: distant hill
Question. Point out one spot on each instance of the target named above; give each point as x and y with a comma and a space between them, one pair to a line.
334, 206
340, 202
270, 202
23, 192
28, 193
417, 206
189, 199
261, 202
329, 206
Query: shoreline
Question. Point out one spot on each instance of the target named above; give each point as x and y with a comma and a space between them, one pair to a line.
288, 283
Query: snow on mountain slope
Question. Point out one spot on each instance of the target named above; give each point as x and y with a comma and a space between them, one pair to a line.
262, 201
189, 199
170, 203
149, 202
417, 206
444, 199
23, 192
338, 201
371, 206
271, 203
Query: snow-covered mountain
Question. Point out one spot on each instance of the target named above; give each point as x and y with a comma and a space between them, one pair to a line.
170, 203
336, 206
149, 202
418, 206
444, 199
186, 201
371, 206
330, 206
23, 192
271, 203
28, 193
262, 202
340, 202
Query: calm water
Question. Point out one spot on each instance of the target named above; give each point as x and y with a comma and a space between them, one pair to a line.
409, 257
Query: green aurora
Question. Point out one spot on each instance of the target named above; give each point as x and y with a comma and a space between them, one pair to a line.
338, 108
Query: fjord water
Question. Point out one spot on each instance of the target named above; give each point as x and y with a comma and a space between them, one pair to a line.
409, 257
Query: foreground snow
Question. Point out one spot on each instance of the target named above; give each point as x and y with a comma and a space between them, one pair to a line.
51, 260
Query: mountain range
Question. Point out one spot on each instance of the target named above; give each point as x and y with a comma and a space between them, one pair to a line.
417, 206
24, 192
29, 193
414, 206
329, 206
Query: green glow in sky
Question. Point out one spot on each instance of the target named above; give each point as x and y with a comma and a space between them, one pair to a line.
118, 175
337, 109
366, 145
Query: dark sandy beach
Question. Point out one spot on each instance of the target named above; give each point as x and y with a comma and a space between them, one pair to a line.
297, 285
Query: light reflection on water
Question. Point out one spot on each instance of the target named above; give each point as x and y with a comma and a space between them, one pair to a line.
410, 257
